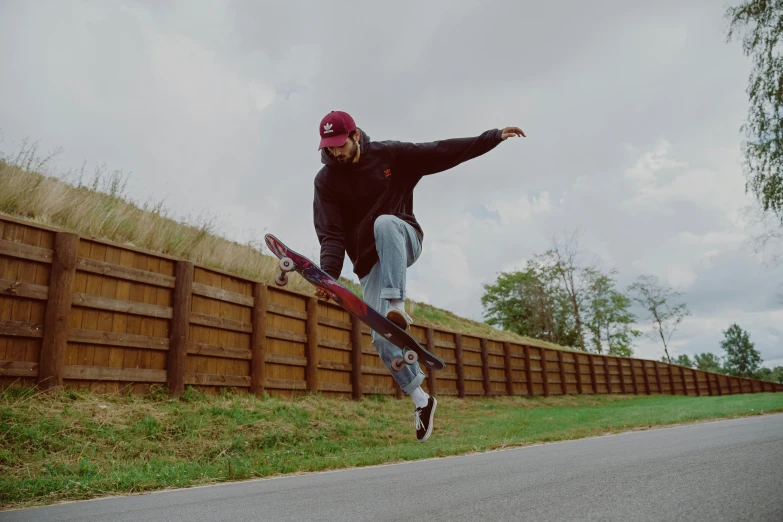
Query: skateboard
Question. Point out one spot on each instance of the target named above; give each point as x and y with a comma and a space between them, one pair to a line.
291, 261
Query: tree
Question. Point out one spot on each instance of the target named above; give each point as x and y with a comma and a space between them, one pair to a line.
708, 362
560, 262
610, 317
742, 359
664, 315
682, 360
763, 148
772, 375
530, 303
559, 300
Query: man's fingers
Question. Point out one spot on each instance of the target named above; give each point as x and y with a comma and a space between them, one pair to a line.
512, 131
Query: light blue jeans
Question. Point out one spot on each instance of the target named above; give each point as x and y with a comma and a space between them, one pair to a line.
398, 248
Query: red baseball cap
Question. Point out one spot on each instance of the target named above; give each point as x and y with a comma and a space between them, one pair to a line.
335, 128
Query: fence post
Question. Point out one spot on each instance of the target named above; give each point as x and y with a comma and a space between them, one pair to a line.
311, 347
485, 366
591, 360
58, 310
708, 375
180, 326
528, 372
578, 370
544, 373
695, 374
258, 338
633, 378
561, 365
507, 365
356, 358
607, 376
460, 368
684, 381
432, 381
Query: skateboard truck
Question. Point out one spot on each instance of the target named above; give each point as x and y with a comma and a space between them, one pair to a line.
408, 357
286, 265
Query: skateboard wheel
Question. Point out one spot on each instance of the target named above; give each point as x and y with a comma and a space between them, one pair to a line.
410, 357
397, 364
281, 279
286, 264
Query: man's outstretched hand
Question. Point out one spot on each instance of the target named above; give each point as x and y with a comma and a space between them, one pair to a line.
322, 295
512, 131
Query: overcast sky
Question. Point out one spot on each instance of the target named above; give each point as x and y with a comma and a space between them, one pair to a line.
632, 113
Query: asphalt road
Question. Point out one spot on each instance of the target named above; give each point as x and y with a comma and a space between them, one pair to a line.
727, 470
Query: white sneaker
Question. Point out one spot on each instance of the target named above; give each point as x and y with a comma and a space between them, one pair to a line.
399, 317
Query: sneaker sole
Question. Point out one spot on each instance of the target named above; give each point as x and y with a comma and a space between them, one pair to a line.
432, 413
398, 319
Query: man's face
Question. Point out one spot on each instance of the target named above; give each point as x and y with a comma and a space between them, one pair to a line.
347, 153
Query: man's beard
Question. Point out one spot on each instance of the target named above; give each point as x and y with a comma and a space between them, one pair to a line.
350, 156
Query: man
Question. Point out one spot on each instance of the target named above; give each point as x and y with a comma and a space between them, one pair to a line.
363, 205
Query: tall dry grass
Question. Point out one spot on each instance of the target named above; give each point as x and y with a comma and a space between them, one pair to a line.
98, 205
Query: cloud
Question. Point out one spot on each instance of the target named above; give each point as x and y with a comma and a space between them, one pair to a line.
660, 183
520, 210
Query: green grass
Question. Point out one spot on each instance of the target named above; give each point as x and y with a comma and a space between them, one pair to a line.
78, 445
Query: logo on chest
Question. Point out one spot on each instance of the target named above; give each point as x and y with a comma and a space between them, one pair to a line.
387, 173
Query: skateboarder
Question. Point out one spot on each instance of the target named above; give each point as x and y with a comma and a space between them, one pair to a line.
363, 205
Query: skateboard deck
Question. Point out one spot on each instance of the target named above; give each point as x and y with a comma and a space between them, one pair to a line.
293, 261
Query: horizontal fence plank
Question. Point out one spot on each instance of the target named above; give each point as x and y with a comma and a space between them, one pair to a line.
211, 379
220, 322
78, 335
285, 335
27, 290
227, 352
378, 390
291, 360
18, 369
334, 387
377, 370
22, 251
287, 311
21, 329
222, 295
285, 384
100, 373
334, 323
124, 272
115, 305
334, 365
331, 343
447, 375
445, 344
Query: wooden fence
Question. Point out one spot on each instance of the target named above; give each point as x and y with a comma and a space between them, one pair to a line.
81, 312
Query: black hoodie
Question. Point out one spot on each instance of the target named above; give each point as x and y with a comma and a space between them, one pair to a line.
349, 198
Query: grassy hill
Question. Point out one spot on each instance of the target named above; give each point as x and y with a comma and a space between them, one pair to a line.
99, 207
